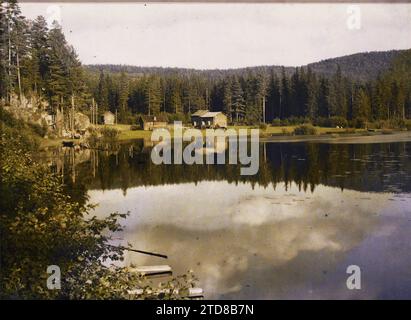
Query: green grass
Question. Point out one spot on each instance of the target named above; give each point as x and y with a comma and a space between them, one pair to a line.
127, 134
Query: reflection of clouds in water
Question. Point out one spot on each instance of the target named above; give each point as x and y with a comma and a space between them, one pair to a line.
241, 242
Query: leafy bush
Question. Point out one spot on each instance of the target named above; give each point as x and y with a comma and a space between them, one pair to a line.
380, 124
40, 130
276, 122
297, 120
40, 225
332, 122
263, 126
349, 130
359, 123
285, 122
109, 133
127, 118
398, 123
184, 118
16, 127
305, 129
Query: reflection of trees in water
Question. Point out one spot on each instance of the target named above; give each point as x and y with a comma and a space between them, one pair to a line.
365, 167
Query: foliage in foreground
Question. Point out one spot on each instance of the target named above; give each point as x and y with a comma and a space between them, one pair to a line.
40, 226
305, 129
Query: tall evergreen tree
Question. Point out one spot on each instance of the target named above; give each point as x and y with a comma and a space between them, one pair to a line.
238, 103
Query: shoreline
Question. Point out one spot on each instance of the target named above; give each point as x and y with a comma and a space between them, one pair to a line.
351, 138
335, 138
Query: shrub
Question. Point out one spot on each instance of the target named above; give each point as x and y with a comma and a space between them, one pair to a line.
263, 126
349, 130
380, 124
184, 118
276, 122
39, 129
332, 122
16, 127
285, 122
305, 129
408, 124
127, 118
359, 123
338, 122
41, 225
109, 133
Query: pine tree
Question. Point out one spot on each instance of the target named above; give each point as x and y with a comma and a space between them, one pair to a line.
123, 97
102, 96
238, 103
273, 98
285, 96
153, 96
39, 66
227, 98
312, 95
14, 40
323, 99
361, 104
176, 101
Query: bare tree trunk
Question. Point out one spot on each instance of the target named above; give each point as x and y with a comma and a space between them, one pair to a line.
61, 107
72, 113
18, 74
92, 111
403, 111
149, 102
263, 109
189, 105
9, 69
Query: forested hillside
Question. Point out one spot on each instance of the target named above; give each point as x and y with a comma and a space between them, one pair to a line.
316, 92
36, 61
363, 66
360, 66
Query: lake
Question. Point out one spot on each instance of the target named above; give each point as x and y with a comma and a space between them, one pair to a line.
290, 231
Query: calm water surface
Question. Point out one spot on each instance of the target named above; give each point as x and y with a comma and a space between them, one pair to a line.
288, 232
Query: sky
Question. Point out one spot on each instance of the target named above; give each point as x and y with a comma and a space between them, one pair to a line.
209, 36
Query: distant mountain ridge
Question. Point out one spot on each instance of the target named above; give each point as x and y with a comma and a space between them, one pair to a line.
361, 66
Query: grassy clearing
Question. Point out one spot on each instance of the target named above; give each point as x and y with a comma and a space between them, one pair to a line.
125, 132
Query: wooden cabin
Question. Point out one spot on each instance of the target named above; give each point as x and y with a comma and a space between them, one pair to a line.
196, 118
109, 117
152, 122
207, 119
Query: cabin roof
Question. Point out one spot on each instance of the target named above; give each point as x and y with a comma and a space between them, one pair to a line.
199, 113
206, 114
211, 114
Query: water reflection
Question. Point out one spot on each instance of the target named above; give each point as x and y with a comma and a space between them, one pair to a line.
288, 232
259, 243
363, 167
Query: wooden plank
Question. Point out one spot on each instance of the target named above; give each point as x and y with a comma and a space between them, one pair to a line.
192, 292
141, 251
151, 270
